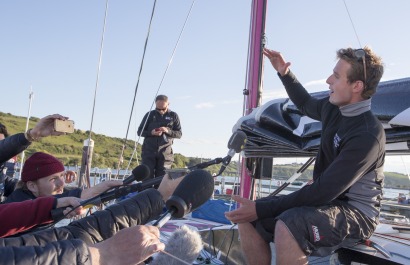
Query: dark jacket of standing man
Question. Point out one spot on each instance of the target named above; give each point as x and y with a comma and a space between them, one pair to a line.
159, 127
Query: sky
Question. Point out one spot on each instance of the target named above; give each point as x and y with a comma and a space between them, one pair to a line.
53, 48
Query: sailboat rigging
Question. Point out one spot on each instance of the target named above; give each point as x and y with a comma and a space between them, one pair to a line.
85, 176
260, 138
162, 79
30, 101
265, 142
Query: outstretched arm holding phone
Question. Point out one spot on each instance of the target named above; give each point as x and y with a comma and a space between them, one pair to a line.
45, 127
17, 143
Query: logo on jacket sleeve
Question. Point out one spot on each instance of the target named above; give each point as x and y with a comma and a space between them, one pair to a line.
336, 141
316, 235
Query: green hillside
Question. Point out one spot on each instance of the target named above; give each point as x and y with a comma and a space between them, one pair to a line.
107, 150
392, 179
68, 148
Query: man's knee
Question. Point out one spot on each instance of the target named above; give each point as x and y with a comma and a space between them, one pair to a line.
281, 230
248, 231
256, 249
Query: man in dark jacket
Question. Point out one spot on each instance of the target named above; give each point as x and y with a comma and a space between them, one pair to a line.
159, 127
342, 205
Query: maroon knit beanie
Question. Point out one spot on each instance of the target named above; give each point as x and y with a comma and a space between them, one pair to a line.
40, 165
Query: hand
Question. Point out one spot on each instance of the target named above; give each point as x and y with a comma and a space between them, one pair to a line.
100, 188
73, 202
168, 186
156, 131
245, 214
45, 126
131, 245
277, 61
164, 129
70, 176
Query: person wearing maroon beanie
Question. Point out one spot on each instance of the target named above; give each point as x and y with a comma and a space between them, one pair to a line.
44, 175
12, 145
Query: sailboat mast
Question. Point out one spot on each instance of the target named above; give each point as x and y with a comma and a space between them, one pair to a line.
30, 100
254, 75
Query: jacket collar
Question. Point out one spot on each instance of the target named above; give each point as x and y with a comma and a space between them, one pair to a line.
356, 109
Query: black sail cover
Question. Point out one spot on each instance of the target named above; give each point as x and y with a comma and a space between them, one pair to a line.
278, 128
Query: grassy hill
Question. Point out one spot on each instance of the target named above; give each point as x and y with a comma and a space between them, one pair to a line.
107, 150
68, 148
392, 179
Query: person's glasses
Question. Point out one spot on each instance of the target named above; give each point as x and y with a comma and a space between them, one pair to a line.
161, 109
361, 54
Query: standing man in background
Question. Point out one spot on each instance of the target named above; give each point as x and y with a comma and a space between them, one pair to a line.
159, 127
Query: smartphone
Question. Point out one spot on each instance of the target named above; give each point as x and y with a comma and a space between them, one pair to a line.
157, 129
66, 126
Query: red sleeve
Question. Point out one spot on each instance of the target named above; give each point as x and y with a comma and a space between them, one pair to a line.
20, 216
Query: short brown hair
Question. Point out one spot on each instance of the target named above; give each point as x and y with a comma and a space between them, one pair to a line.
162, 98
374, 68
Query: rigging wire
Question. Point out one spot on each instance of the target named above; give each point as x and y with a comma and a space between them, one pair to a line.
162, 80
136, 88
351, 21
87, 169
405, 167
30, 101
134, 151
135, 148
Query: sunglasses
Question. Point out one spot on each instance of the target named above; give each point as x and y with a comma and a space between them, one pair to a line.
361, 54
161, 109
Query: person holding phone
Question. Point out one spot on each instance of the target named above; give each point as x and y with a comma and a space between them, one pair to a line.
10, 146
17, 143
159, 128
